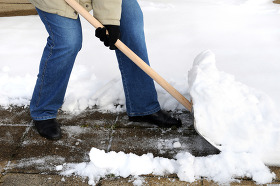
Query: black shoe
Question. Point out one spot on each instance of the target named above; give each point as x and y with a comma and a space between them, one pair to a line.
49, 129
160, 118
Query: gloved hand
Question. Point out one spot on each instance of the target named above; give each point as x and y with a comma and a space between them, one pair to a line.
111, 39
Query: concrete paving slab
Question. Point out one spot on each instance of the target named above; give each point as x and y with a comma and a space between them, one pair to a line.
276, 170
239, 182
37, 154
15, 115
88, 118
242, 182
3, 165
10, 138
147, 181
169, 181
160, 142
11, 179
92, 118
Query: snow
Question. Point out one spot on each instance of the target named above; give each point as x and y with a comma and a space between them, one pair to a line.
239, 120
234, 95
138, 182
177, 144
220, 168
59, 167
244, 39
231, 114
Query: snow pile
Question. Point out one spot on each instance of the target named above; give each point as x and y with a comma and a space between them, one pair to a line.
85, 91
15, 90
231, 114
220, 168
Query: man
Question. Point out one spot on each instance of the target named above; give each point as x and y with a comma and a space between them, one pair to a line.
124, 20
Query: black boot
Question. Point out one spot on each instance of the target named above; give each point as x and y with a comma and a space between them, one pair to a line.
160, 118
49, 129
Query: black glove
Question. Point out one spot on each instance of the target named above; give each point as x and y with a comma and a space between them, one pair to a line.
111, 39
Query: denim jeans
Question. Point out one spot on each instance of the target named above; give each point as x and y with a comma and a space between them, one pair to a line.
64, 43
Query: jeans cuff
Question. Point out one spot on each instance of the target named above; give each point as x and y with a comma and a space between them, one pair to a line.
144, 113
41, 118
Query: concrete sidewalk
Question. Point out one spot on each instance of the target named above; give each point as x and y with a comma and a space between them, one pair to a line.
16, 8
28, 159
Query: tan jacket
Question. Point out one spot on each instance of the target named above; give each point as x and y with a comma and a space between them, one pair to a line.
108, 12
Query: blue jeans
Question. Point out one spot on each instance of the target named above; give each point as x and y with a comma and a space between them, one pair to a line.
64, 43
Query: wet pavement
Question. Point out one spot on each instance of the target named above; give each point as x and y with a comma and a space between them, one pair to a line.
27, 158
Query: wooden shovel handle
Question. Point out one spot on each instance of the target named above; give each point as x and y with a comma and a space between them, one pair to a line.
131, 55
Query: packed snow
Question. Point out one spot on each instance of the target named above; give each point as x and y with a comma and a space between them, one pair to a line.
234, 95
233, 116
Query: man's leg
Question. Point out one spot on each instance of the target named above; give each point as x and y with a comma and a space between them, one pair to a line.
140, 93
63, 44
141, 96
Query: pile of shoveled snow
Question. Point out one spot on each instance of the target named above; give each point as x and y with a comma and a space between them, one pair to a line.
240, 119
220, 168
231, 114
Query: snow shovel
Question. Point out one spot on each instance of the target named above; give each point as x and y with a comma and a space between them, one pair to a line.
138, 61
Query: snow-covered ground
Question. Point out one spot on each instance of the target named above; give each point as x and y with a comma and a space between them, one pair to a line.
243, 35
